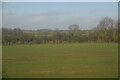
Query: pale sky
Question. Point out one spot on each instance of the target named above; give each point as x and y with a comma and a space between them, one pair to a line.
52, 15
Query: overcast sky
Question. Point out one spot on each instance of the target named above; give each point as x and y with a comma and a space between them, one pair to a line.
52, 15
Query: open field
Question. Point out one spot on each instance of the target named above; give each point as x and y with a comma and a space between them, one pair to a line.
73, 60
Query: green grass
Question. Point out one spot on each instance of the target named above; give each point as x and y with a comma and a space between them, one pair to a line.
73, 60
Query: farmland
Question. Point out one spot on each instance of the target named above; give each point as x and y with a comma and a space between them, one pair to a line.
69, 60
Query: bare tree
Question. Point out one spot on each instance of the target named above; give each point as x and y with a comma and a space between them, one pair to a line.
74, 31
74, 27
105, 28
106, 23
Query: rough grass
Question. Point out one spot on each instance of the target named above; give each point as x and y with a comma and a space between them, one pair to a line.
74, 60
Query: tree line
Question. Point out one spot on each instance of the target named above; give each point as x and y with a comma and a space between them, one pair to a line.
106, 31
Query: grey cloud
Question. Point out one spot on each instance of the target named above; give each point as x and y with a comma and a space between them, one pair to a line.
93, 11
54, 13
5, 5
8, 13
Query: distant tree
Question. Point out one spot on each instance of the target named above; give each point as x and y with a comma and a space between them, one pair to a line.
74, 32
106, 24
74, 27
115, 32
105, 28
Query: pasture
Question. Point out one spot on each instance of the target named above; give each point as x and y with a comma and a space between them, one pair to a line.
70, 60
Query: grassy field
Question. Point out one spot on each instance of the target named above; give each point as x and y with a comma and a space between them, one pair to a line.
74, 60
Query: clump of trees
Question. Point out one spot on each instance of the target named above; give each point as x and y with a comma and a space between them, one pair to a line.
106, 31
15, 36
